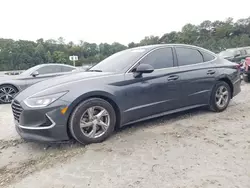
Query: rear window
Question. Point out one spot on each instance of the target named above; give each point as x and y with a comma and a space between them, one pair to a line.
207, 56
188, 56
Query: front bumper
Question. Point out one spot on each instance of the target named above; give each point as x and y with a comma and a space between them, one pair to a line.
42, 124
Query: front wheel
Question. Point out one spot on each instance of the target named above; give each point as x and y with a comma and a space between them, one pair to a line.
92, 121
220, 97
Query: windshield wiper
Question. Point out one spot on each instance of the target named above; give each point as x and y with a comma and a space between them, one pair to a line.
94, 70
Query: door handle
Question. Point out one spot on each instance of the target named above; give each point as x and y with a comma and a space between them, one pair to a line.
210, 72
173, 77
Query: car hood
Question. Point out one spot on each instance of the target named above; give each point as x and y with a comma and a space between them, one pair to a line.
59, 81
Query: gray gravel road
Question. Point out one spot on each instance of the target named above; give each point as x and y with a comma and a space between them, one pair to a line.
197, 149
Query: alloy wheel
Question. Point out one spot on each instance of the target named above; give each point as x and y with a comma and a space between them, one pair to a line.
95, 122
7, 94
222, 96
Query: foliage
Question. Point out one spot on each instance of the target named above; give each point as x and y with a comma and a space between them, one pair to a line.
216, 36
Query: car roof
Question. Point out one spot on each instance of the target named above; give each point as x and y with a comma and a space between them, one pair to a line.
49, 64
163, 45
151, 47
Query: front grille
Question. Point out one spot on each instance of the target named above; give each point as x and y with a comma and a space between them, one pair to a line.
17, 110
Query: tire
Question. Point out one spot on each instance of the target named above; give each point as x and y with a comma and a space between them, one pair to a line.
246, 78
83, 135
214, 100
11, 90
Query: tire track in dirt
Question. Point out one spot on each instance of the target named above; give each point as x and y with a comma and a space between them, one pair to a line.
48, 160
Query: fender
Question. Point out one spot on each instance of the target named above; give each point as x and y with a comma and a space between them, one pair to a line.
100, 94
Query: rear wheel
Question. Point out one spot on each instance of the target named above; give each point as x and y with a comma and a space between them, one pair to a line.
7, 93
220, 97
92, 121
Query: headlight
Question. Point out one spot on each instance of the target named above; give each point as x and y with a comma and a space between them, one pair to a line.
42, 101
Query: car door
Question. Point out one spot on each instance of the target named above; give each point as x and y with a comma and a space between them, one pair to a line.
156, 92
45, 72
198, 74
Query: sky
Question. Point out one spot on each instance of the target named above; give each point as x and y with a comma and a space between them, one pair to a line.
108, 21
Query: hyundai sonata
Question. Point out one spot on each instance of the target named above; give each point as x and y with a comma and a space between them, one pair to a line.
130, 86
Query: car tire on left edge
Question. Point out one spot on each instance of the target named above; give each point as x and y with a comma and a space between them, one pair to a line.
82, 111
7, 87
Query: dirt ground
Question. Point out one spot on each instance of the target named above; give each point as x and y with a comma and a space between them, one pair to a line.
194, 149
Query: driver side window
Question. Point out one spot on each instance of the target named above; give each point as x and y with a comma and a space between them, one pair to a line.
160, 58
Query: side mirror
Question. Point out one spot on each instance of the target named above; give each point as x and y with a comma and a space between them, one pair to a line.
35, 74
143, 68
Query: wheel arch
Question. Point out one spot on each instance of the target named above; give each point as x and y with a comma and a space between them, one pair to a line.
229, 82
10, 84
96, 94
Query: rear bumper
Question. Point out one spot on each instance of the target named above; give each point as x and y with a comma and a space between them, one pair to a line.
236, 87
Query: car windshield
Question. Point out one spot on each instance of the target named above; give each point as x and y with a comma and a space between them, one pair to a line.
227, 53
119, 61
30, 71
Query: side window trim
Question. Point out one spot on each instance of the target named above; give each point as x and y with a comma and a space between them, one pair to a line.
151, 51
201, 56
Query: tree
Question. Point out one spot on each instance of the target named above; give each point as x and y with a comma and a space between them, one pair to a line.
216, 36
149, 40
49, 58
172, 37
40, 54
59, 57
189, 34
132, 45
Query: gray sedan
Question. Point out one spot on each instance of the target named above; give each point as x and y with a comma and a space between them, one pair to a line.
127, 87
11, 85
